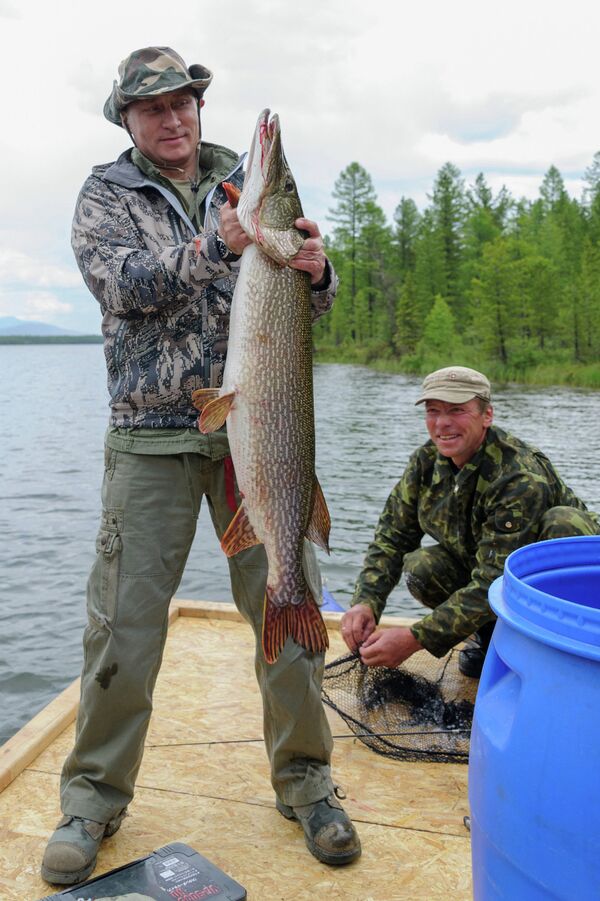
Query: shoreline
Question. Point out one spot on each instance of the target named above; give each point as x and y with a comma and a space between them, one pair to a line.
50, 339
557, 373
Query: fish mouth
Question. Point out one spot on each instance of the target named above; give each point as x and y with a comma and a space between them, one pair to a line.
269, 205
267, 127
258, 172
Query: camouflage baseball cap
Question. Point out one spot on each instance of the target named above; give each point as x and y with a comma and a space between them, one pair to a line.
149, 72
455, 385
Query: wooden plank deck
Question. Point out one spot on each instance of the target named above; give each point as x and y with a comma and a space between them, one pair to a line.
205, 781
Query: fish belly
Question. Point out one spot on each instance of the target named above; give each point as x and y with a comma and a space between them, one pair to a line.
271, 423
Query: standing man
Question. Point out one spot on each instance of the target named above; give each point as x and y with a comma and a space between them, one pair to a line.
158, 247
479, 493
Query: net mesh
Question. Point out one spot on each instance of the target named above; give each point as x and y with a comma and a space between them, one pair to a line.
422, 710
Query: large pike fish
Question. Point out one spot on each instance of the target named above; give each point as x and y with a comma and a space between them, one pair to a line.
267, 398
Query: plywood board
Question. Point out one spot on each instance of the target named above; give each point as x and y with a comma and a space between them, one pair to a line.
205, 781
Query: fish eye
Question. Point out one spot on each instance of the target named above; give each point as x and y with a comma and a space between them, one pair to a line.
289, 185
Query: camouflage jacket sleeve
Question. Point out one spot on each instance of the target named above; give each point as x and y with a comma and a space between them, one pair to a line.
397, 533
513, 508
322, 301
130, 268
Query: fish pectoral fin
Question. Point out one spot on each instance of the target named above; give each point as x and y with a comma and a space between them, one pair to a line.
201, 396
232, 192
302, 621
320, 520
214, 413
239, 534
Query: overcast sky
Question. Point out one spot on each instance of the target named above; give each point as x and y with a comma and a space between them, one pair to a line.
505, 88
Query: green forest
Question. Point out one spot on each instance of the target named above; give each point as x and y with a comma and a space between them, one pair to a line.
510, 286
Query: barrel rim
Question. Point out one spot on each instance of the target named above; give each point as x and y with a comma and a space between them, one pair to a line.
563, 624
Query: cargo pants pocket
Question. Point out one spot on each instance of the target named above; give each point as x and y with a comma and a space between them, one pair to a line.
103, 584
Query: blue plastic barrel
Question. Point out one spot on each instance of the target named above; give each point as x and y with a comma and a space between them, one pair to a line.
534, 767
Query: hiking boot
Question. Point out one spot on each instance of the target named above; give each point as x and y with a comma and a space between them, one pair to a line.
472, 657
328, 830
71, 852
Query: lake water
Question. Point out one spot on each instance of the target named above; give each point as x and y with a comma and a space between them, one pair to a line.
53, 414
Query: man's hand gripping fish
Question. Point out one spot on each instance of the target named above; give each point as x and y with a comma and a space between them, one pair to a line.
267, 398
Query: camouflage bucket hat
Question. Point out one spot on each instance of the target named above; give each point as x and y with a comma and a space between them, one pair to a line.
149, 72
455, 385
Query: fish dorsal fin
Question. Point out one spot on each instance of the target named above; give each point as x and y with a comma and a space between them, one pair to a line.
320, 520
214, 413
239, 534
201, 396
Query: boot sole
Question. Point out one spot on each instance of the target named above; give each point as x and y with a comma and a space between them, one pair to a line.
333, 860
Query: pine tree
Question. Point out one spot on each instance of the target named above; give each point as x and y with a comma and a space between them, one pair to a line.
591, 177
375, 296
406, 220
552, 190
409, 319
430, 273
494, 292
355, 198
440, 344
482, 223
448, 207
538, 289
591, 197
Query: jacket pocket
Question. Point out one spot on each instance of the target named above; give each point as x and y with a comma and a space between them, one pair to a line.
103, 584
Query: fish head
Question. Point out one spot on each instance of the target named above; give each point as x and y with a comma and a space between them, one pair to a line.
269, 203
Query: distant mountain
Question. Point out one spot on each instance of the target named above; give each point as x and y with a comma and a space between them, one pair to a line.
10, 325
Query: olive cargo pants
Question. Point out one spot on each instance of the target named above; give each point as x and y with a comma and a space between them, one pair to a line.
150, 507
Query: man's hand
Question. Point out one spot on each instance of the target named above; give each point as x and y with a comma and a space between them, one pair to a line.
357, 624
231, 231
311, 256
389, 647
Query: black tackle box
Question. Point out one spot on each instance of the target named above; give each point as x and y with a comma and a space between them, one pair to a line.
173, 873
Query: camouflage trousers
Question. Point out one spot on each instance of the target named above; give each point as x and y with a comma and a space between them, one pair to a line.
432, 573
150, 508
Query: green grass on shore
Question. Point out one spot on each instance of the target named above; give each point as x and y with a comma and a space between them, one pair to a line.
541, 374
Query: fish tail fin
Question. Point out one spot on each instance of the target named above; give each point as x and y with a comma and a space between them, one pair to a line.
276, 627
302, 621
309, 629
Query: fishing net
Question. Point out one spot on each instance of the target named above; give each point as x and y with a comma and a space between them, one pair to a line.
422, 710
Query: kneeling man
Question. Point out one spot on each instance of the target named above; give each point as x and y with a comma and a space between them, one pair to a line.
480, 493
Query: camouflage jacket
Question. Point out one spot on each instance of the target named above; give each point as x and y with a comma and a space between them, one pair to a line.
164, 290
479, 514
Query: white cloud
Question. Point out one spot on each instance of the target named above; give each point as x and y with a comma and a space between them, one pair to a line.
33, 305
8, 10
18, 268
